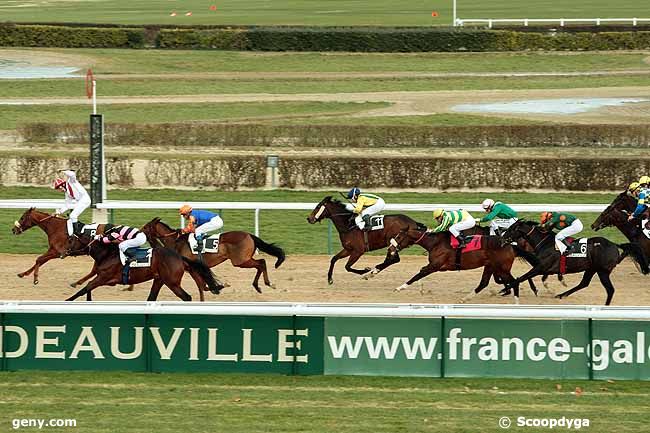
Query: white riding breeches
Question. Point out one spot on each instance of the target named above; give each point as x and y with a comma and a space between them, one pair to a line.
211, 226
501, 224
370, 210
455, 229
575, 228
81, 206
139, 240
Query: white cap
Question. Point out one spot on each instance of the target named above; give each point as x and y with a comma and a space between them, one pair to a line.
487, 204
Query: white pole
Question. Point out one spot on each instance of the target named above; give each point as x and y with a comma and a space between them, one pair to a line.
94, 97
454, 8
257, 222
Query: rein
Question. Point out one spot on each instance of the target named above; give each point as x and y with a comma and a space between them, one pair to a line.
36, 222
420, 238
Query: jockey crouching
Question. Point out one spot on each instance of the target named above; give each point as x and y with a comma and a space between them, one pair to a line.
569, 225
76, 198
201, 223
644, 182
126, 237
455, 221
364, 205
500, 216
642, 195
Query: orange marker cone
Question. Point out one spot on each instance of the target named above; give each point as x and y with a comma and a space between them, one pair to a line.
434, 14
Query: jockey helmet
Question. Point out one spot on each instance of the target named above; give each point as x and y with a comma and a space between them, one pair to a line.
353, 192
644, 180
437, 213
487, 204
58, 183
185, 209
545, 216
633, 186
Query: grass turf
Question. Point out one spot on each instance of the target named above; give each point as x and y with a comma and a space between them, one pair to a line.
287, 228
302, 12
139, 402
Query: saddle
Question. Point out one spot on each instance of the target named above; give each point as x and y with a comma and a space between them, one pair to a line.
138, 258
80, 229
474, 243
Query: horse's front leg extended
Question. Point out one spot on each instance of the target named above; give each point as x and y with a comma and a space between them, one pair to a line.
352, 260
337, 256
428, 269
40, 261
390, 259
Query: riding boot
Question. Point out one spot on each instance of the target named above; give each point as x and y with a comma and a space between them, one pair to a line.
569, 248
462, 240
199, 243
366, 220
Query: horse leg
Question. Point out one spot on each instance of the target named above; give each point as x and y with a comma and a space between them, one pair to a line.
258, 265
352, 260
560, 278
92, 272
341, 254
265, 275
40, 261
390, 260
200, 284
178, 291
485, 280
586, 279
426, 270
94, 283
607, 283
155, 289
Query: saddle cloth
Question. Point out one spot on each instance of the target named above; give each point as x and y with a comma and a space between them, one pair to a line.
376, 222
474, 243
82, 229
579, 250
645, 228
142, 257
210, 244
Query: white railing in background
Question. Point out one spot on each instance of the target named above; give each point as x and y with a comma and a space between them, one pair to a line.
561, 21
332, 309
259, 206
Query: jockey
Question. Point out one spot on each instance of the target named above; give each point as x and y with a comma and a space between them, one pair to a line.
500, 215
364, 205
126, 237
76, 198
568, 225
641, 194
644, 181
455, 221
200, 222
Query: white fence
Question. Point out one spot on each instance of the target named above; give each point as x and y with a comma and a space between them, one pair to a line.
257, 207
332, 309
561, 21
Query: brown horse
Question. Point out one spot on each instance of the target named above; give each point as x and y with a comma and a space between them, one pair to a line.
167, 267
353, 240
617, 215
495, 256
57, 238
237, 246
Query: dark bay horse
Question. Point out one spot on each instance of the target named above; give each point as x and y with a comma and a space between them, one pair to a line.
353, 240
602, 256
167, 267
495, 256
237, 246
57, 237
617, 214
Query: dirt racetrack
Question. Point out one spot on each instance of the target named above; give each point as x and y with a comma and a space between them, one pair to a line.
303, 279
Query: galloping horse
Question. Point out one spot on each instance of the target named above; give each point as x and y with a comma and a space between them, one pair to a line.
237, 246
495, 256
616, 214
57, 238
602, 256
167, 267
353, 240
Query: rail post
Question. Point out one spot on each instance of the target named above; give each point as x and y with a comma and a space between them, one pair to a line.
257, 222
329, 237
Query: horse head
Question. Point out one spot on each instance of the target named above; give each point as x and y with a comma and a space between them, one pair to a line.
616, 213
518, 230
327, 208
26, 221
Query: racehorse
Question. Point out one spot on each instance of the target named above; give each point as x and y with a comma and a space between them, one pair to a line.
57, 237
495, 256
356, 242
167, 267
601, 257
616, 214
237, 246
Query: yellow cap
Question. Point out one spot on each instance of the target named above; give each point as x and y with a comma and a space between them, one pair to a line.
633, 186
644, 180
437, 213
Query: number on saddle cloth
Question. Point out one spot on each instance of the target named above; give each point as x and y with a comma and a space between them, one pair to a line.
376, 222
210, 244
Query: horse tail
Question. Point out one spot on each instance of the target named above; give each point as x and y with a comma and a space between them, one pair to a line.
271, 249
205, 273
635, 252
526, 255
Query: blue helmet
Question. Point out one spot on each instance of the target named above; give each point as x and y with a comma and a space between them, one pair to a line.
354, 191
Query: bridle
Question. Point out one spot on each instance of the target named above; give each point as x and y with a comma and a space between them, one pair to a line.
396, 245
36, 222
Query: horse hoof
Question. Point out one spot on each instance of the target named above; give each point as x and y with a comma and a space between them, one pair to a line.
73, 285
35, 282
400, 288
564, 283
258, 289
21, 275
272, 286
330, 281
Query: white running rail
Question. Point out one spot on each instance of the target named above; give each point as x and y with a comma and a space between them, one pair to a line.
561, 21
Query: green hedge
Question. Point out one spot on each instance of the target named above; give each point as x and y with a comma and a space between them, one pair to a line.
70, 37
334, 136
396, 40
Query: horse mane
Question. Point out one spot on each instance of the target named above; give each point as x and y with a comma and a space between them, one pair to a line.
164, 224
